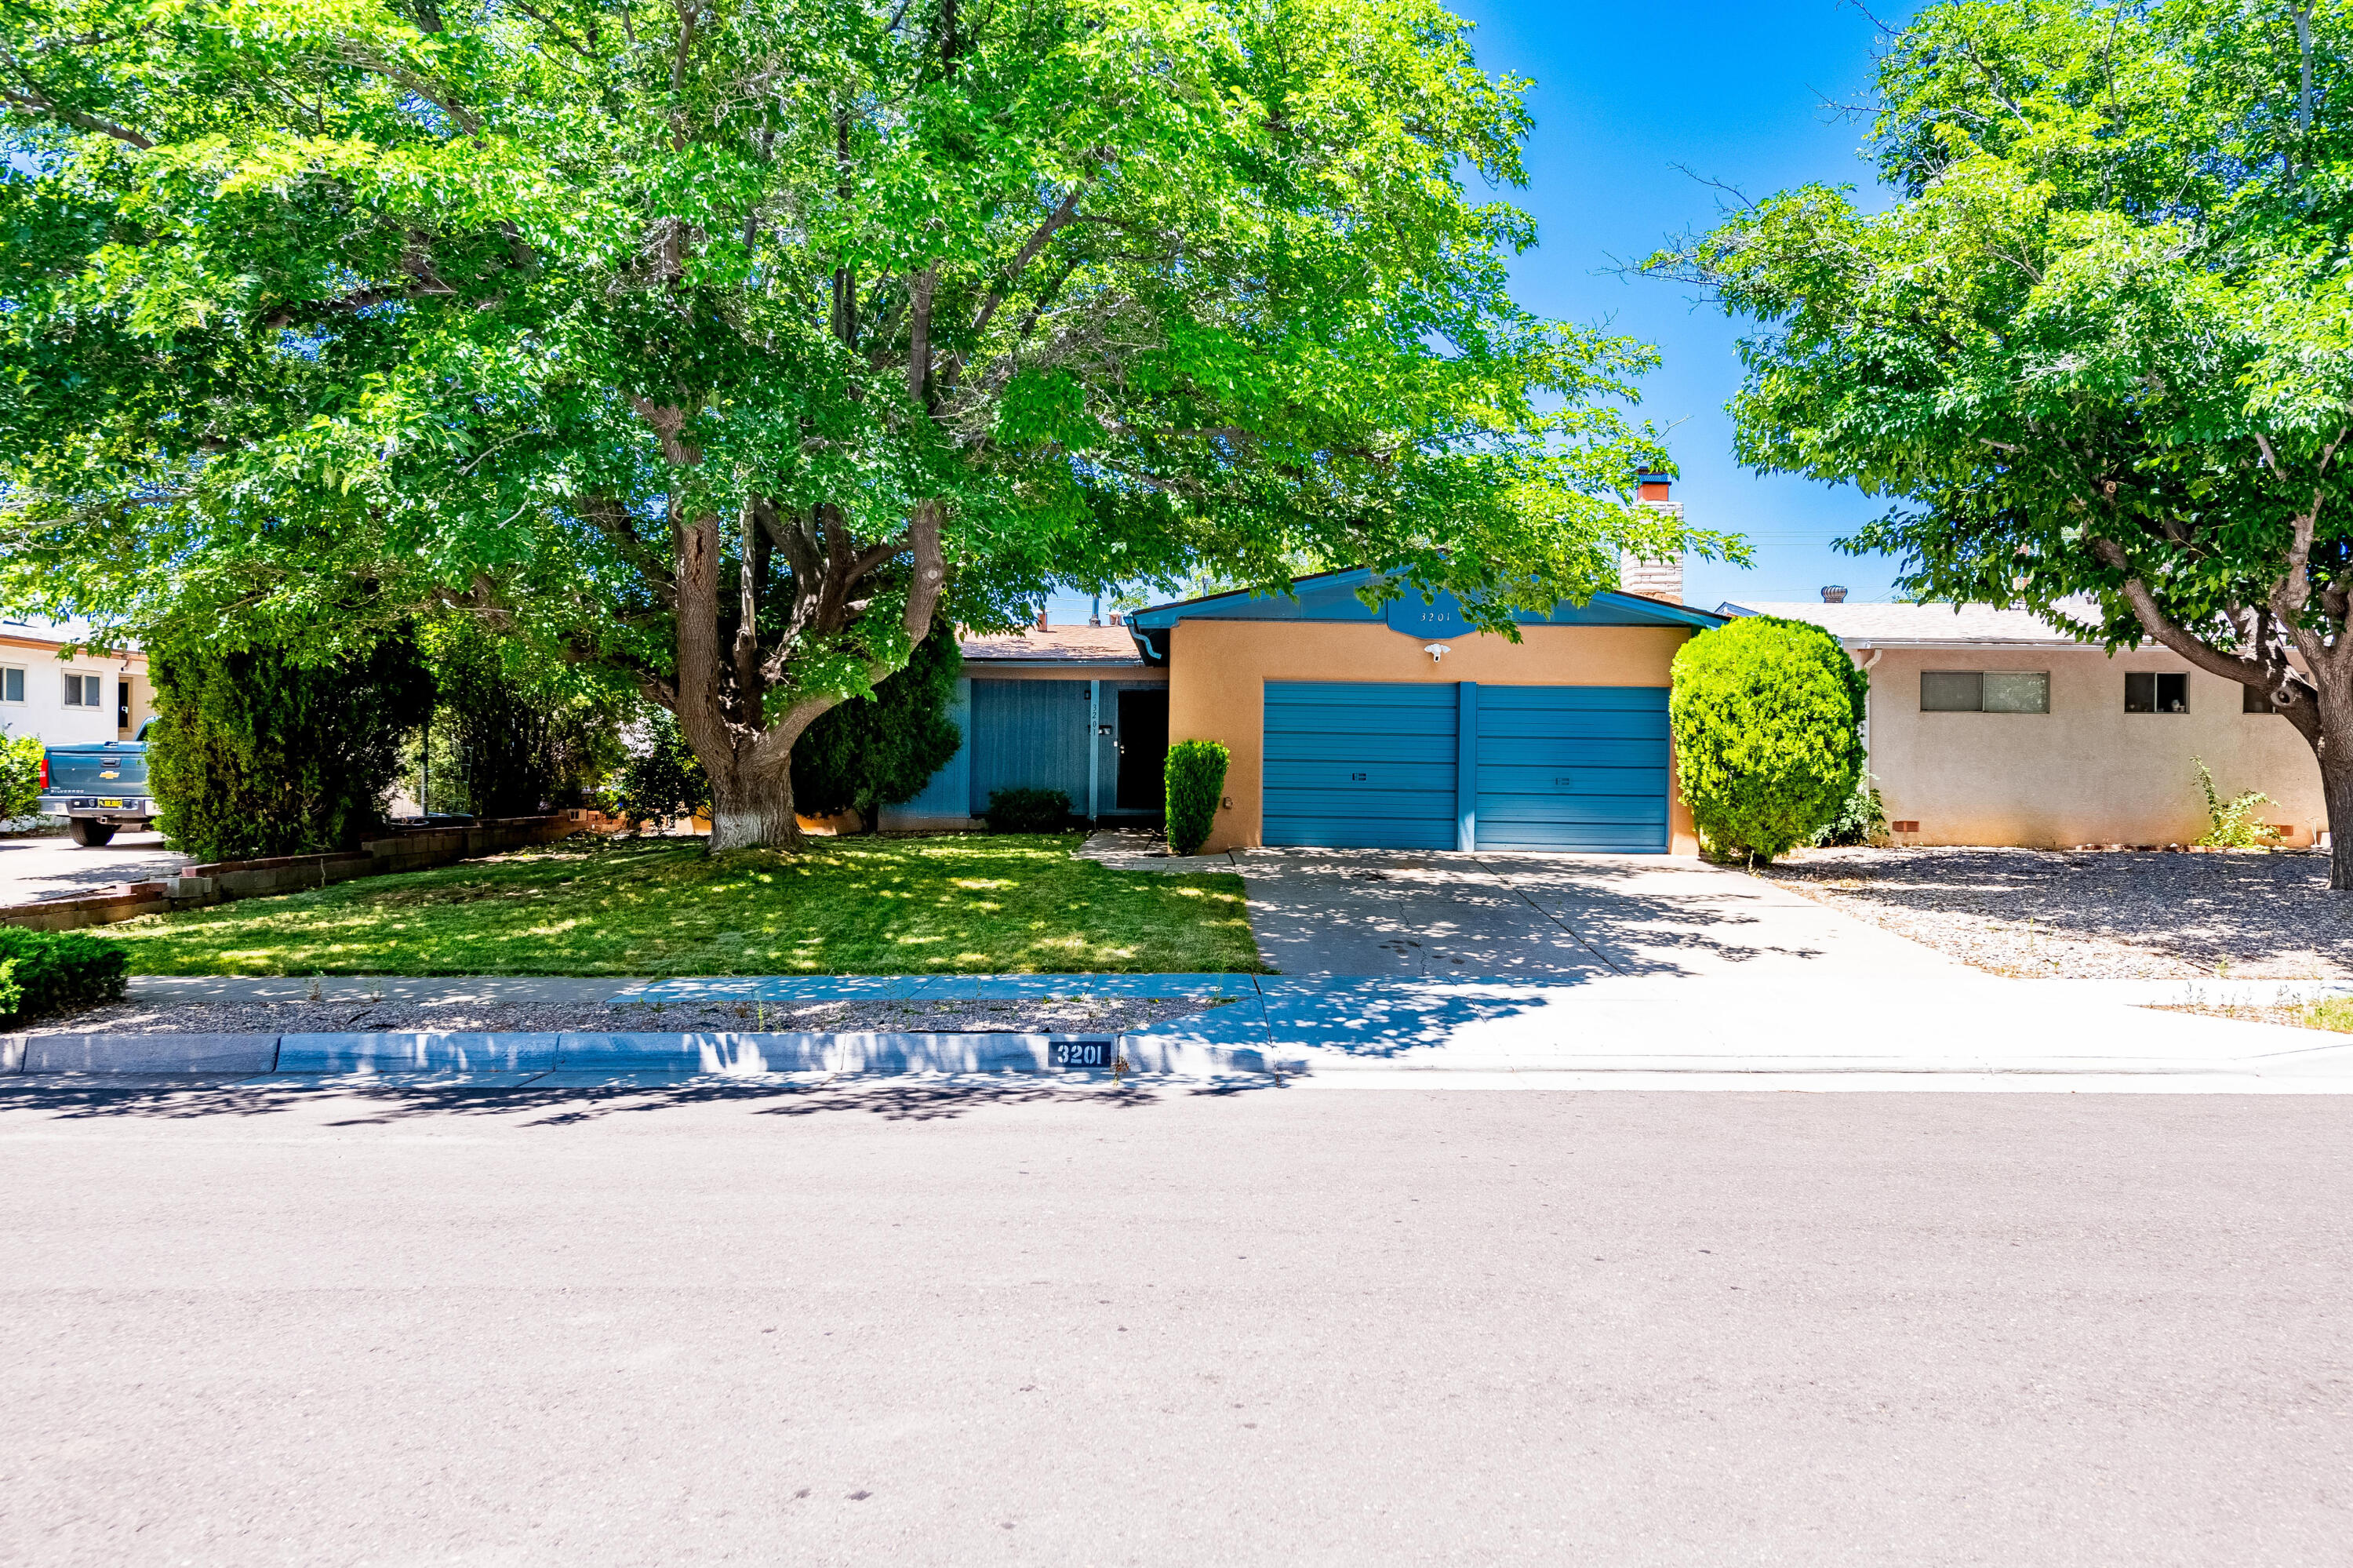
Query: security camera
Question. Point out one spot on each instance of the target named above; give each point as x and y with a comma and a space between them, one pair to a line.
1437, 651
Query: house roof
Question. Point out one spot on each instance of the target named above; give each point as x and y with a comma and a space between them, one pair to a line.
1332, 596
1052, 645
1923, 625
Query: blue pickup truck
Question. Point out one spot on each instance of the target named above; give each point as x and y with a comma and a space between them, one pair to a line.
99, 789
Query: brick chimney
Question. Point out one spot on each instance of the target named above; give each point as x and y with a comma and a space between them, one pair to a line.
1041, 617
1653, 579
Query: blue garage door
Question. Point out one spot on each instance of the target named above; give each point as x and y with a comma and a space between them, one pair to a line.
1572, 767
1359, 765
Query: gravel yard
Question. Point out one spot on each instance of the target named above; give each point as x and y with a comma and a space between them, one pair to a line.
2091, 914
1079, 1015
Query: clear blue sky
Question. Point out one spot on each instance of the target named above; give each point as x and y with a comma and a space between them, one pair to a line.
1731, 90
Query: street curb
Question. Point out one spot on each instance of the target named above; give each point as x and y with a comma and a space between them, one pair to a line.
412, 1054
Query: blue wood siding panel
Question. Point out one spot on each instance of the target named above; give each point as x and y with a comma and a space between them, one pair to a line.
1359, 765
1573, 767
1029, 734
948, 792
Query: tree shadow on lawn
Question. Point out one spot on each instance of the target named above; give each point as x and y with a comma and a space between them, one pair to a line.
77, 1097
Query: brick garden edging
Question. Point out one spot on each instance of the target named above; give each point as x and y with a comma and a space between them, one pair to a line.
409, 849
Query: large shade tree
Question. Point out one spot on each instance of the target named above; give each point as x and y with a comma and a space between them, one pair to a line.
727, 344
2099, 350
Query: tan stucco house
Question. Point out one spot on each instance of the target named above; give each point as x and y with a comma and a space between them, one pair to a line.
1989, 726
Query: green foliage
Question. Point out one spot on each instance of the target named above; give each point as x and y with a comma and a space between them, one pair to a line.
1766, 715
955, 903
20, 775
1195, 779
320, 314
509, 742
2097, 354
253, 754
664, 780
48, 972
1028, 811
2233, 823
877, 751
1862, 820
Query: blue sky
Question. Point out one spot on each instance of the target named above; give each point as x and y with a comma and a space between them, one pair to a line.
1733, 91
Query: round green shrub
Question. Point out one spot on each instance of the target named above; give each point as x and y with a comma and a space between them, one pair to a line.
1767, 719
1194, 775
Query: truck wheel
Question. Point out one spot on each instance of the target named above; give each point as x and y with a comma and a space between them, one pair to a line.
91, 834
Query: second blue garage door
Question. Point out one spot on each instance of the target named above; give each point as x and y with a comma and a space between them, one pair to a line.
1572, 767
1378, 764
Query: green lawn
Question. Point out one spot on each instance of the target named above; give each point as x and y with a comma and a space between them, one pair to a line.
592, 907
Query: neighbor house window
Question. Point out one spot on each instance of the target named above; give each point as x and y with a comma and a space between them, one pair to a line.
85, 692
2255, 700
1984, 691
12, 683
2155, 694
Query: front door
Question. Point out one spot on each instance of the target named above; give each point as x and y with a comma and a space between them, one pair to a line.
1143, 747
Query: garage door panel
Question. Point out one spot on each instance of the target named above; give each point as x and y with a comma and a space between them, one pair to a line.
1526, 809
1557, 779
1359, 765
1357, 775
1392, 750
1572, 767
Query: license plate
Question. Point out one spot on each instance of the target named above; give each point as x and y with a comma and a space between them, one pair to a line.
1072, 1055
110, 805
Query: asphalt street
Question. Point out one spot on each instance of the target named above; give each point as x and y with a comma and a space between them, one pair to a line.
1038, 1323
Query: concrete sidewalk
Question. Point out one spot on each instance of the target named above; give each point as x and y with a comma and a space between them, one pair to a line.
1961, 1029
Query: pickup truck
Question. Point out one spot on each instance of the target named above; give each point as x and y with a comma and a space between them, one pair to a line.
99, 788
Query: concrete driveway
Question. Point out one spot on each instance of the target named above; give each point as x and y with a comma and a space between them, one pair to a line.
52, 866
1538, 917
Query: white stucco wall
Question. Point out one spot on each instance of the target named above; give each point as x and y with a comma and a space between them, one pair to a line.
43, 712
2087, 771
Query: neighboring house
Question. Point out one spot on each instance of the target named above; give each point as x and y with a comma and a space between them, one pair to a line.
1991, 726
87, 698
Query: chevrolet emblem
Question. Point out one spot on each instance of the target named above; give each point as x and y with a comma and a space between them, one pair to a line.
109, 775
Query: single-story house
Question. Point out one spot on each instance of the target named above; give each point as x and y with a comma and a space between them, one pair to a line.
1991, 726
80, 701
1348, 726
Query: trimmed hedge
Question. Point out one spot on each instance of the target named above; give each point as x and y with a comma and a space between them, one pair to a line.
1028, 811
48, 972
1767, 717
1194, 775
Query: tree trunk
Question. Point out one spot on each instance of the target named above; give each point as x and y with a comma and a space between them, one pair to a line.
2336, 757
754, 809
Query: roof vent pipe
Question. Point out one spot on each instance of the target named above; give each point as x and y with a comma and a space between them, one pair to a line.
1833, 594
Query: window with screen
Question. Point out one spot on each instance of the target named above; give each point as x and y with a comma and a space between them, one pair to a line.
2252, 700
82, 692
2149, 693
12, 683
1984, 691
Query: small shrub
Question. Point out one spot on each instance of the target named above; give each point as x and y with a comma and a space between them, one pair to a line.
20, 776
1028, 811
1862, 820
2234, 826
51, 970
666, 780
1767, 717
1195, 777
